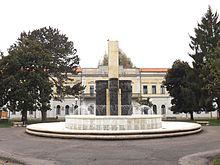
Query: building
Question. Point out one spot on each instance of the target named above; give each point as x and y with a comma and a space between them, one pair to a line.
146, 82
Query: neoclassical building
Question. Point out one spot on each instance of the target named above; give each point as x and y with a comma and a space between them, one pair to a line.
146, 83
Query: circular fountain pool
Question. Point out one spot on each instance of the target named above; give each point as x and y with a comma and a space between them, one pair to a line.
113, 127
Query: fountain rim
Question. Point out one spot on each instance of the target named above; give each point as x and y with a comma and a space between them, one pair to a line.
145, 116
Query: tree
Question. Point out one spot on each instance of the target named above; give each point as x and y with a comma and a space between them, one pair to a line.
207, 36
180, 82
212, 81
37, 61
123, 60
145, 101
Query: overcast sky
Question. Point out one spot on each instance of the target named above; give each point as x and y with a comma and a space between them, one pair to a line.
153, 33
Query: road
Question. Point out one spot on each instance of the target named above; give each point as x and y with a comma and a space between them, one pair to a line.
165, 151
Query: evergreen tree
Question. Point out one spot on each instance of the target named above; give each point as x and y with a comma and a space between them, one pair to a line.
207, 36
212, 79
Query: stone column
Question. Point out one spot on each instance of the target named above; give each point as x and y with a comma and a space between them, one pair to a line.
126, 97
101, 86
113, 75
113, 59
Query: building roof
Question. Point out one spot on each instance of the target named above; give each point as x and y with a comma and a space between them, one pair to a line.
154, 69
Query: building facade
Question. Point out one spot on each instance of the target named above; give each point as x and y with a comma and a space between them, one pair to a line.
146, 83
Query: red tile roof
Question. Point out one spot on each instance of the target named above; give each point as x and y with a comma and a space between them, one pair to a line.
154, 69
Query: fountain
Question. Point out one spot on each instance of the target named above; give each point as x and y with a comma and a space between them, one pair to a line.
115, 117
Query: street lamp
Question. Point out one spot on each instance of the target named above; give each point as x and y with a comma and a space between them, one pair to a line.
76, 106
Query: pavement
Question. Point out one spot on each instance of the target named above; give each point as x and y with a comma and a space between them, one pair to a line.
31, 150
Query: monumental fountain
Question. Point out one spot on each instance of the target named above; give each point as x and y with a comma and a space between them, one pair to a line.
115, 117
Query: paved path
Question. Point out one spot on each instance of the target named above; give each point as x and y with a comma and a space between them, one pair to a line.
14, 142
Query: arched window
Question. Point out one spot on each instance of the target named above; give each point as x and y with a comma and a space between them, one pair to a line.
146, 110
67, 112
58, 110
154, 109
163, 109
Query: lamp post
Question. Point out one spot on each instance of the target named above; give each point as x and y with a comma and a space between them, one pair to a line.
76, 106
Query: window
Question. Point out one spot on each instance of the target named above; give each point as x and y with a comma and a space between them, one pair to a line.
13, 112
163, 110
162, 89
58, 110
91, 90
145, 89
67, 112
154, 109
154, 89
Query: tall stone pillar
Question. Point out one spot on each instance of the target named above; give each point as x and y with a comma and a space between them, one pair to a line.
113, 97
113, 59
113, 74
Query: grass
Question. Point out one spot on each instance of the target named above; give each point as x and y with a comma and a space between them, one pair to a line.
5, 123
216, 160
212, 122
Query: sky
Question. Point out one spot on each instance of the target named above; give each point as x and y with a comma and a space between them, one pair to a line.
153, 33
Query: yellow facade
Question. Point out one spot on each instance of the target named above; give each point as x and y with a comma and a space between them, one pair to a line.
140, 77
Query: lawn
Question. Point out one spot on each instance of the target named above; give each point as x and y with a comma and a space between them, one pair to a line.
5, 123
212, 122
216, 161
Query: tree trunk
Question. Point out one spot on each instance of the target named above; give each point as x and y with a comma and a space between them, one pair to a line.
218, 114
24, 117
191, 116
218, 109
43, 115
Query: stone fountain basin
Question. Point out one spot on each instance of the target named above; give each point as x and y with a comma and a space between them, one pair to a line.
113, 123
58, 130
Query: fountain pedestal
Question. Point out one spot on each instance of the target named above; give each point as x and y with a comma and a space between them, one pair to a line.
113, 123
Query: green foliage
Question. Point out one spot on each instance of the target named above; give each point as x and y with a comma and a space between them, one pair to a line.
207, 36
180, 82
37, 61
5, 123
145, 101
216, 161
193, 89
123, 60
76, 89
211, 76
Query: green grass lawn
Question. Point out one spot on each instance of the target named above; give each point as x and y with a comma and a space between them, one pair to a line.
212, 122
5, 123
216, 161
